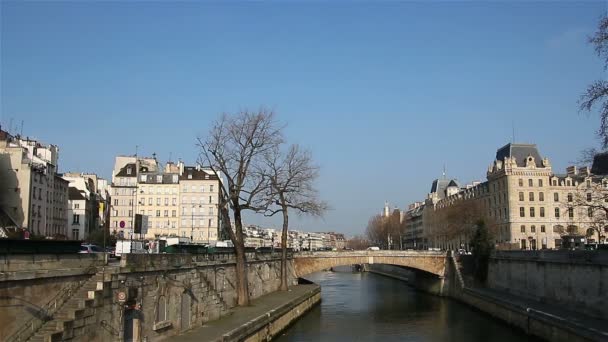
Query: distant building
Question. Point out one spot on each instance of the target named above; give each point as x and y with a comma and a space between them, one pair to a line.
34, 196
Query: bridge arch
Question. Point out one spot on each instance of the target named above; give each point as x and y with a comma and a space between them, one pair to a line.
427, 261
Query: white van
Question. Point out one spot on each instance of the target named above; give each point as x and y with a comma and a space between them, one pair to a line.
128, 246
373, 248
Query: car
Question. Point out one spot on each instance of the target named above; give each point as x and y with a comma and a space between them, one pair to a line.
111, 252
373, 248
85, 248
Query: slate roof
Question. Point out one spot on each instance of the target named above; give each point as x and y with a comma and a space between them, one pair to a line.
75, 194
520, 152
151, 178
196, 174
123, 171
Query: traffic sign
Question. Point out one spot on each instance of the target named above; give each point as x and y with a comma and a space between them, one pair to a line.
122, 297
122, 224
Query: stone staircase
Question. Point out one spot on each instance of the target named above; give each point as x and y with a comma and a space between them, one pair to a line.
216, 296
69, 320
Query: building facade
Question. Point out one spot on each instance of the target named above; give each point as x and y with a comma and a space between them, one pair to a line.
177, 200
34, 195
523, 202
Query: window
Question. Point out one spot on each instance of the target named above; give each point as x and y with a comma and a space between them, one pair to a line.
521, 182
210, 199
210, 188
541, 196
158, 213
128, 170
557, 212
540, 183
522, 212
211, 211
76, 206
531, 196
142, 178
532, 229
521, 196
530, 182
532, 212
166, 213
588, 197
210, 223
174, 213
588, 183
174, 201
185, 188
570, 212
166, 200
590, 212
150, 200
76, 219
189, 176
158, 200
568, 182
542, 211
555, 182
570, 197
555, 197
523, 228
542, 228
130, 212
202, 188
159, 179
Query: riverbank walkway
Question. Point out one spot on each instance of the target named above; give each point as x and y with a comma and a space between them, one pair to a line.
262, 306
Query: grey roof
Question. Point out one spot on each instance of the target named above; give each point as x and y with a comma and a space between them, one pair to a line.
75, 194
197, 174
439, 185
151, 178
453, 182
123, 171
520, 152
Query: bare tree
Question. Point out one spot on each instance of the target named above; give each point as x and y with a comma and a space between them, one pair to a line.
235, 149
385, 232
591, 202
597, 92
358, 243
291, 178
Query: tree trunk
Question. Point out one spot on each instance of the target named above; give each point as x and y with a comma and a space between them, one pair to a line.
242, 285
284, 284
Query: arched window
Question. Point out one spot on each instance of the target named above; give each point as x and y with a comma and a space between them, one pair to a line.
161, 309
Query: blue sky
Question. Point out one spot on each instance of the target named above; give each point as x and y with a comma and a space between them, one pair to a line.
383, 93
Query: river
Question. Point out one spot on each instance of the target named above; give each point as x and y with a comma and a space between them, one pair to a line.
371, 307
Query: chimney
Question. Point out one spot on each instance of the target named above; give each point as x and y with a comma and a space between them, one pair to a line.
571, 170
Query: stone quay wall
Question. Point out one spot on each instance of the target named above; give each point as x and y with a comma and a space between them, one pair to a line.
577, 280
144, 297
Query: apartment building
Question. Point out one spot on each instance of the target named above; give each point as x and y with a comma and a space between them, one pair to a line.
34, 195
199, 200
177, 200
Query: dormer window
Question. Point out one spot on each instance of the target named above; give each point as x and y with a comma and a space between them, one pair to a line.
189, 176
159, 179
142, 178
128, 170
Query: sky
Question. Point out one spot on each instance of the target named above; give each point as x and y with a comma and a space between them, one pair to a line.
385, 94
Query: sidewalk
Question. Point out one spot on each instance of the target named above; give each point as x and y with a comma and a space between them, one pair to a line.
215, 330
548, 311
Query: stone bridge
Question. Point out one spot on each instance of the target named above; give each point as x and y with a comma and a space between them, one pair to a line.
427, 261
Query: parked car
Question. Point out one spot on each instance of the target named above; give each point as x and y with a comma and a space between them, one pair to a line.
373, 248
90, 249
111, 252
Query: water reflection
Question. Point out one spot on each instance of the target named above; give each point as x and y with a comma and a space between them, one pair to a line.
369, 307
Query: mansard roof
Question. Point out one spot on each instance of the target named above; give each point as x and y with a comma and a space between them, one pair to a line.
123, 171
520, 152
197, 174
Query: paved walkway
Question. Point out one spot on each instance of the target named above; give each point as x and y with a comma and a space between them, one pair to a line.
214, 330
553, 311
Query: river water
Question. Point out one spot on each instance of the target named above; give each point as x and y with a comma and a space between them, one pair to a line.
371, 307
